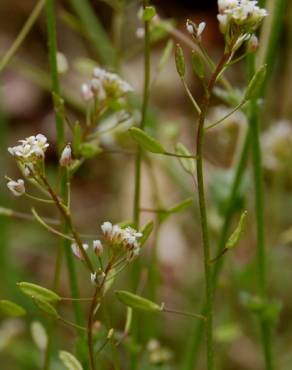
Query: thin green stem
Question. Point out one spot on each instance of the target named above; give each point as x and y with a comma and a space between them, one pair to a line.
260, 223
203, 212
22, 34
192, 349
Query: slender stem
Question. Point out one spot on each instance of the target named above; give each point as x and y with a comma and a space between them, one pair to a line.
184, 313
192, 348
89, 328
226, 116
143, 120
22, 34
203, 212
260, 223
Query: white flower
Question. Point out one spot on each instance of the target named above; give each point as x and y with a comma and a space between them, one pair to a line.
97, 247
201, 28
17, 188
190, 28
253, 44
106, 228
76, 250
86, 92
66, 156
30, 149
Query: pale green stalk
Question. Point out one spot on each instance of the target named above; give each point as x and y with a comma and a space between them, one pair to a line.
22, 34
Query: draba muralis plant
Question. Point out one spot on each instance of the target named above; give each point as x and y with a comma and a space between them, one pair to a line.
238, 21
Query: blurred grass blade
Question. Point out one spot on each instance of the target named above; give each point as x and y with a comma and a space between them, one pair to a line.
22, 34
95, 31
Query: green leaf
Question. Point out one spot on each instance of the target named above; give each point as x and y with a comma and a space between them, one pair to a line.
47, 308
149, 13
236, 235
256, 83
180, 61
38, 292
135, 301
188, 164
146, 231
146, 141
198, 64
9, 308
70, 361
167, 51
89, 150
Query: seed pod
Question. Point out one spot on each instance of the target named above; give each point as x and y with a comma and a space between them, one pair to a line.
137, 302
9, 308
38, 292
180, 61
146, 141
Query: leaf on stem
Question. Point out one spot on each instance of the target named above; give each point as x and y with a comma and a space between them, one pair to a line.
146, 141
137, 302
38, 292
179, 207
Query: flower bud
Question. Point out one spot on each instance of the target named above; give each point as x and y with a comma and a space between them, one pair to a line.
66, 156
77, 252
17, 188
200, 29
86, 92
97, 247
253, 44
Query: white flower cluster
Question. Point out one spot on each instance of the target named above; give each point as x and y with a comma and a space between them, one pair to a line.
30, 149
104, 85
244, 13
128, 237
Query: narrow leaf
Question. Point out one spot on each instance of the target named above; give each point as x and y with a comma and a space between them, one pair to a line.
236, 235
9, 308
38, 292
146, 141
70, 361
188, 164
135, 301
181, 206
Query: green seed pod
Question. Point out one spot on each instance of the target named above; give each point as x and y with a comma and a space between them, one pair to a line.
146, 141
9, 308
180, 61
70, 361
236, 235
188, 164
47, 308
198, 64
137, 302
38, 292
